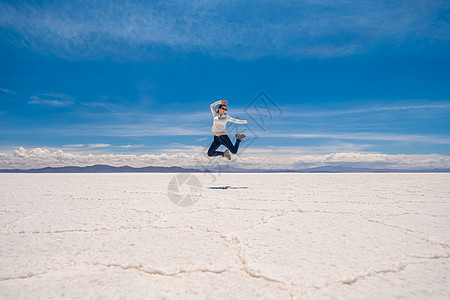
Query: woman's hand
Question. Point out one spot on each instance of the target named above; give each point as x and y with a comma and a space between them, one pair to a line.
224, 101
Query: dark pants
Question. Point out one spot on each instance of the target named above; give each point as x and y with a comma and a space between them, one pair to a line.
222, 140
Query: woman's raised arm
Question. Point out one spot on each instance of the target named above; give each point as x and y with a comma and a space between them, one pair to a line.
213, 106
237, 120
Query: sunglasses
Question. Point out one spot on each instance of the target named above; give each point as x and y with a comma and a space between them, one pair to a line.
223, 108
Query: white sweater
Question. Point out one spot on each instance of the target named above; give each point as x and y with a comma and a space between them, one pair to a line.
220, 121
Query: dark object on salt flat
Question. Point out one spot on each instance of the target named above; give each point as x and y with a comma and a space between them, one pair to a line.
226, 187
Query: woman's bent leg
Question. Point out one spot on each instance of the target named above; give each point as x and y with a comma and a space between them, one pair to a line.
212, 149
225, 140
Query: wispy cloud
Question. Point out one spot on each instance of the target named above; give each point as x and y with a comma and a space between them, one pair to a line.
74, 146
84, 147
243, 30
99, 145
52, 99
97, 104
135, 124
366, 136
6, 91
131, 146
121, 122
362, 110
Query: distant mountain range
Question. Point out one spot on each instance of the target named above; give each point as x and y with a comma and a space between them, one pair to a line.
102, 169
150, 169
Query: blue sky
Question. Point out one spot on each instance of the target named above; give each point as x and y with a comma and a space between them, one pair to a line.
358, 83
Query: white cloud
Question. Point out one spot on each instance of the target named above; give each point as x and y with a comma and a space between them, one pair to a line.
375, 160
137, 124
243, 30
97, 104
51, 99
74, 146
41, 157
131, 146
7, 91
99, 145
289, 112
366, 136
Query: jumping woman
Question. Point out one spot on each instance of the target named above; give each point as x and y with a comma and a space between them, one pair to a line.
219, 130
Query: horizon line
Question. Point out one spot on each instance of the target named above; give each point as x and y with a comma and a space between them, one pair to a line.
129, 169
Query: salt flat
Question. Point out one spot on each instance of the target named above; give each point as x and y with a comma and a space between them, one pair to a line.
277, 236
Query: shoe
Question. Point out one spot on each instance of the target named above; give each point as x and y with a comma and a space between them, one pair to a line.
226, 154
240, 136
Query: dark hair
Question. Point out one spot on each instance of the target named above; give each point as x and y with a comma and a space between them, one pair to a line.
220, 106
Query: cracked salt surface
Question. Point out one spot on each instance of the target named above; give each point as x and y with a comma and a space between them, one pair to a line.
286, 236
